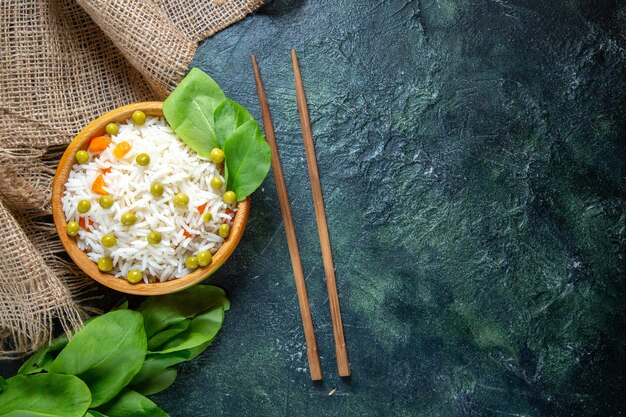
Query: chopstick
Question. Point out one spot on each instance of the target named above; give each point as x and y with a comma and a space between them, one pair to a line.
283, 199
341, 350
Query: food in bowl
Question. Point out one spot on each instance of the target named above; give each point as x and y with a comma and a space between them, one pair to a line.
143, 205
153, 198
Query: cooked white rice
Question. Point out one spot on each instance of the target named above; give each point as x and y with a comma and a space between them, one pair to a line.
178, 169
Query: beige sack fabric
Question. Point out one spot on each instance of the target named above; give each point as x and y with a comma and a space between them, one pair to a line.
64, 63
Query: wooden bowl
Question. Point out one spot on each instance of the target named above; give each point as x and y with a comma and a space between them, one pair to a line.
97, 128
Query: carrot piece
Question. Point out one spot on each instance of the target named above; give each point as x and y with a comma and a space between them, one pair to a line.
229, 212
186, 233
202, 207
121, 149
106, 170
98, 184
99, 144
83, 223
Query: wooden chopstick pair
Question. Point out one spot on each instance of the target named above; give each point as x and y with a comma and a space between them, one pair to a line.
341, 350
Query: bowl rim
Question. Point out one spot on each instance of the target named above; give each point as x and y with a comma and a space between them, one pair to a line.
80, 258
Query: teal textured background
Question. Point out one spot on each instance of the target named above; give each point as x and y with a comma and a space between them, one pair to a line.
472, 157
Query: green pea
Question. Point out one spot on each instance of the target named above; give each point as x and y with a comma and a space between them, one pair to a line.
229, 197
191, 262
112, 129
217, 155
138, 117
82, 157
108, 241
204, 258
154, 238
72, 228
207, 217
134, 276
224, 230
106, 201
143, 159
216, 182
105, 264
129, 218
181, 200
84, 206
156, 189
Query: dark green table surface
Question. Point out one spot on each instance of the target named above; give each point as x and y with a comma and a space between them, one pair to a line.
472, 157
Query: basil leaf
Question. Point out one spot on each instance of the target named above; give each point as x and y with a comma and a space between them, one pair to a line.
131, 404
94, 413
189, 111
158, 382
3, 383
248, 159
41, 360
48, 395
167, 310
229, 115
106, 354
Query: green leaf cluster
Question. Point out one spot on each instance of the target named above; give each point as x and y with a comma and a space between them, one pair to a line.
204, 118
115, 360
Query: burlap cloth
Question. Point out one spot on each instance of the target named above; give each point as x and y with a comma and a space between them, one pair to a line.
64, 63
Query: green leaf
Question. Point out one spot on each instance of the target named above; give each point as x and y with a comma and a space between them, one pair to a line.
106, 354
203, 328
229, 115
167, 310
157, 341
157, 383
189, 111
41, 360
45, 395
131, 404
204, 118
3, 383
156, 363
185, 346
94, 413
121, 305
179, 327
248, 159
